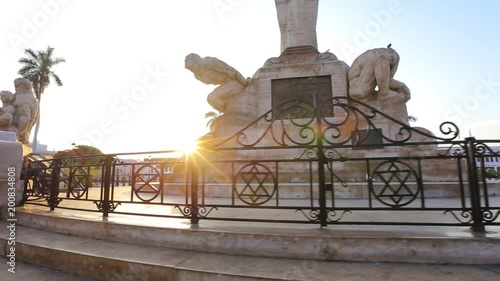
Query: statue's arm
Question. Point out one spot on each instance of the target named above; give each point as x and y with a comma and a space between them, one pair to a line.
215, 64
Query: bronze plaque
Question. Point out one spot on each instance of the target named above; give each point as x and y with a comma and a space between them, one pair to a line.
302, 89
367, 139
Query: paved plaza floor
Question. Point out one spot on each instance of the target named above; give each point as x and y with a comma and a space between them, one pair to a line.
27, 272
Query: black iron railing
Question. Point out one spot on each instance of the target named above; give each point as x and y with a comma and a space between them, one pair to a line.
359, 166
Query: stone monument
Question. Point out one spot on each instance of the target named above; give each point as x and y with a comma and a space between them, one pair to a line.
351, 113
11, 155
297, 73
18, 114
301, 71
297, 20
231, 97
20, 110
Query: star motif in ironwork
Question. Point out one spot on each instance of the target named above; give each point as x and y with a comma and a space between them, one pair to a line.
395, 175
250, 178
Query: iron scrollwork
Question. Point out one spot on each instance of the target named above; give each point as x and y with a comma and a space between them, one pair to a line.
292, 124
202, 210
185, 210
53, 202
332, 215
465, 216
312, 215
483, 149
354, 115
490, 216
309, 154
110, 207
456, 149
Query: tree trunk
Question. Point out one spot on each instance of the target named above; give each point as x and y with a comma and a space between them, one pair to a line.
35, 135
37, 126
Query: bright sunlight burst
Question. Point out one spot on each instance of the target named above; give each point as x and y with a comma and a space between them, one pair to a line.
188, 146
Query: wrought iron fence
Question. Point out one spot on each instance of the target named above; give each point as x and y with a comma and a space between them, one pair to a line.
357, 166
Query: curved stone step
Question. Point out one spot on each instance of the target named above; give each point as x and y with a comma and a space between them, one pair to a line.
106, 260
450, 245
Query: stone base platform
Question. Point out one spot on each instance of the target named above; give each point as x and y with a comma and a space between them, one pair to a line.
147, 248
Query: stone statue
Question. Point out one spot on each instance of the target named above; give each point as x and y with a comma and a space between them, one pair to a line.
7, 111
376, 68
210, 70
20, 111
297, 20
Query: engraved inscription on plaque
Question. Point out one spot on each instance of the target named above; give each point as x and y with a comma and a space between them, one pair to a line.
302, 89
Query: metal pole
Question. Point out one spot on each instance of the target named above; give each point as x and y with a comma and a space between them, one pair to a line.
475, 196
54, 184
193, 167
108, 161
321, 161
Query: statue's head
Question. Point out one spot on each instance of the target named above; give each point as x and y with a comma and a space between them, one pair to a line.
22, 85
192, 62
7, 97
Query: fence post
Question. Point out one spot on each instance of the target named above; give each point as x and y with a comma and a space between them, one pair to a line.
475, 194
54, 184
108, 162
323, 213
25, 177
193, 167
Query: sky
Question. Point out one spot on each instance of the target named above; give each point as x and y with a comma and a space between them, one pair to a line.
126, 89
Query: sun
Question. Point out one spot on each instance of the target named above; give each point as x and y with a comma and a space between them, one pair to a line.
188, 146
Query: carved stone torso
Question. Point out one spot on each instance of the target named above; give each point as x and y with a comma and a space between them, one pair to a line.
20, 111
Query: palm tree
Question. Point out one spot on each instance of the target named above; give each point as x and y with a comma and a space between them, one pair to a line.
211, 116
37, 68
412, 118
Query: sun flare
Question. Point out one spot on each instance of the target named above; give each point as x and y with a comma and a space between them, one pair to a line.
188, 147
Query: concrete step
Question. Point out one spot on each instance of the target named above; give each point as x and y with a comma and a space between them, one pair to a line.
28, 272
446, 245
107, 260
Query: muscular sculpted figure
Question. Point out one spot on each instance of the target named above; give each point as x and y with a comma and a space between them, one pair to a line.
7, 111
19, 111
376, 68
210, 70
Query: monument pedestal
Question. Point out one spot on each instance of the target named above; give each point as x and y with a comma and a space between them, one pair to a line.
298, 73
11, 187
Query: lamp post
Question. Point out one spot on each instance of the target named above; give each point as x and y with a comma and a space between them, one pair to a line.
73, 152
